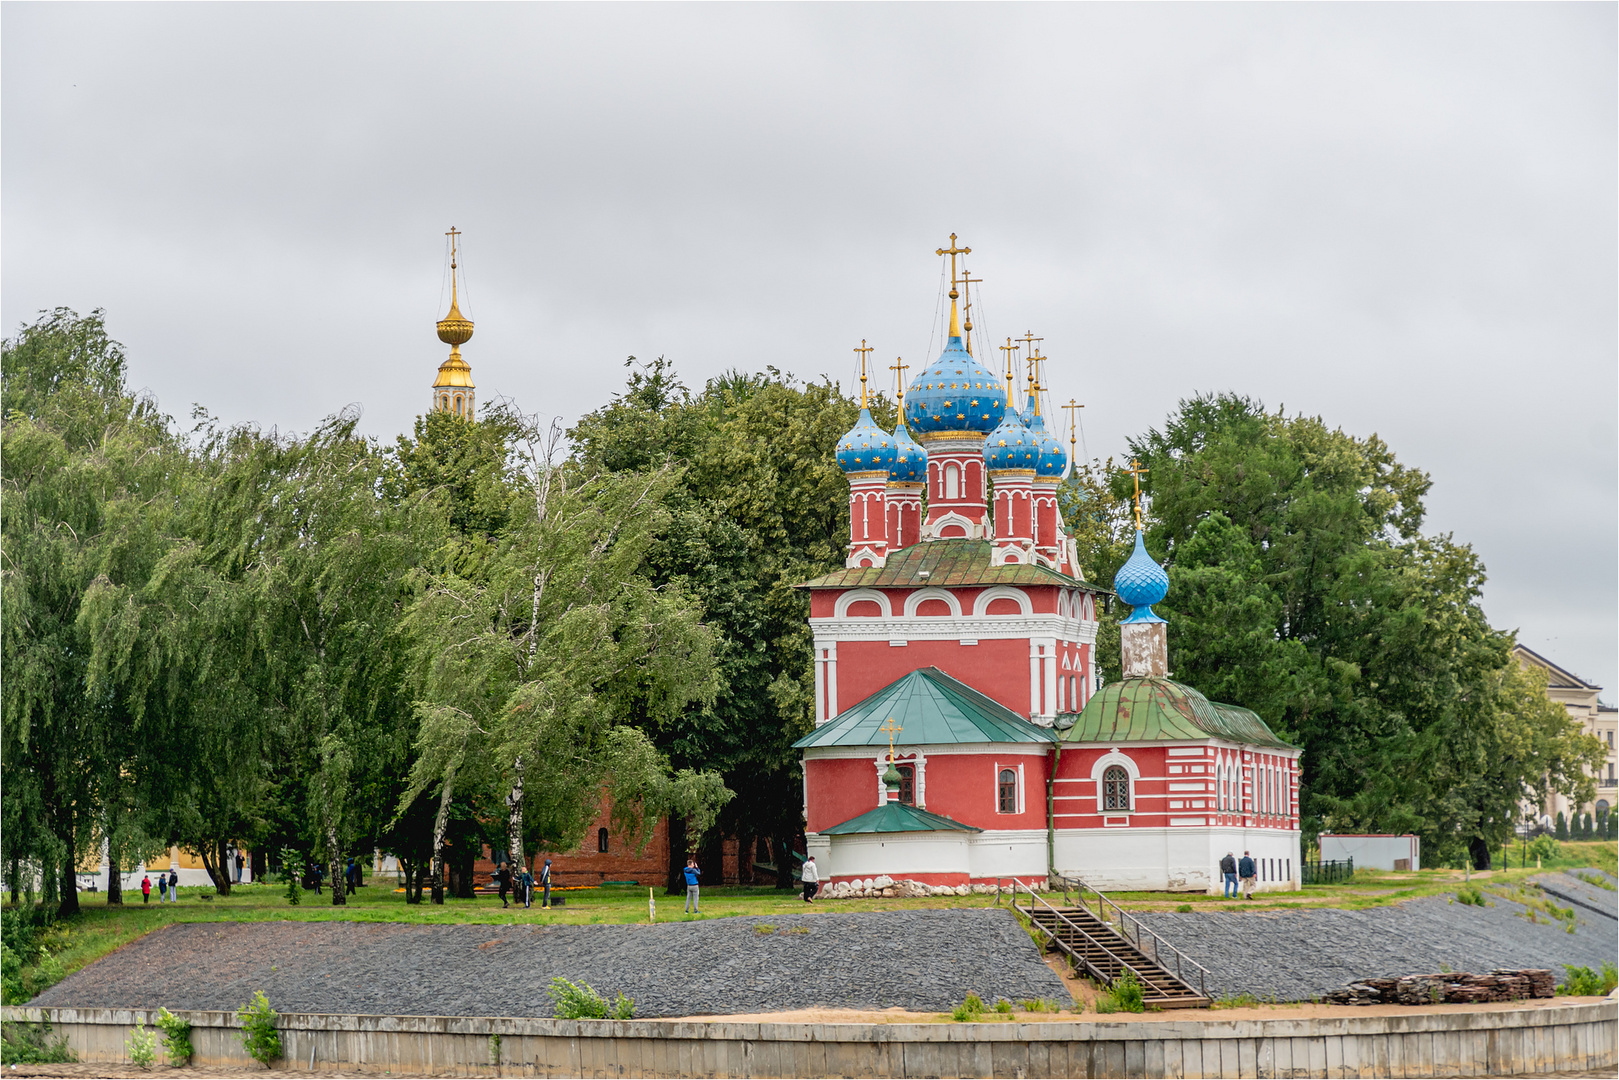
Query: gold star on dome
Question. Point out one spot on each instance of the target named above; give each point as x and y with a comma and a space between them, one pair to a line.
935, 416
975, 403
1001, 443
961, 416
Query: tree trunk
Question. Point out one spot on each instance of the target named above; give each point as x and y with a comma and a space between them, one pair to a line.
1479, 849
514, 818
464, 883
441, 822
260, 864
69, 876
214, 862
677, 855
16, 883
784, 861
335, 859
115, 887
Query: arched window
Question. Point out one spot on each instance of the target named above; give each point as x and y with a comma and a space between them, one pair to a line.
907, 784
952, 482
1115, 788
601, 841
1006, 791
458, 404
1219, 786
1602, 808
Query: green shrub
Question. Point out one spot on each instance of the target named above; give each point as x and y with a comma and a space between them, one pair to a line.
22, 1043
1471, 895
176, 1037
1583, 982
142, 1046
258, 1029
1127, 993
1544, 847
1106, 1004
290, 861
579, 1001
1039, 1005
1003, 1006
27, 967
971, 1008
764, 928
494, 1050
1184, 909
1562, 826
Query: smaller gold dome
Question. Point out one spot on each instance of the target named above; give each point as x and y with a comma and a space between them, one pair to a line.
455, 328
454, 371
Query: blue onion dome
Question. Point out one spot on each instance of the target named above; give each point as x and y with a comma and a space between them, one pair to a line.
866, 447
1141, 583
955, 393
1011, 445
1027, 415
1053, 460
910, 460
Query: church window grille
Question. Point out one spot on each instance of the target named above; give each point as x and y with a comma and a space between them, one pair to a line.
1006, 791
601, 841
952, 482
1115, 788
907, 784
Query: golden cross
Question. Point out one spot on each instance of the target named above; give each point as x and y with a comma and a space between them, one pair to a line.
452, 234
1008, 349
890, 727
953, 251
967, 308
899, 367
1071, 406
1138, 472
863, 350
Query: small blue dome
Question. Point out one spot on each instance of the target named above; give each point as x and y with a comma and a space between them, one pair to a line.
1141, 583
866, 447
910, 460
955, 393
1053, 460
1011, 445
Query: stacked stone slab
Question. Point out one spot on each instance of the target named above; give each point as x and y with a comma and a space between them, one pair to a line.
1450, 988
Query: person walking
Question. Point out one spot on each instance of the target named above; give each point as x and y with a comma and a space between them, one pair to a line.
320, 872
240, 862
810, 876
545, 884
528, 888
694, 877
146, 888
1246, 871
1228, 871
503, 881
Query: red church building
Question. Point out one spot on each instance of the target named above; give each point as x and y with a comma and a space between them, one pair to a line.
960, 733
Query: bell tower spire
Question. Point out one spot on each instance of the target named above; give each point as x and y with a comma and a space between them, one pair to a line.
453, 390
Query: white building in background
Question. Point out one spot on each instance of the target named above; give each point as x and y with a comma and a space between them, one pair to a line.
1376, 851
1580, 698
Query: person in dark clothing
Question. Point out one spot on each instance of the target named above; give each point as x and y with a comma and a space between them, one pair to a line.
320, 872
1228, 871
174, 884
527, 888
1247, 872
503, 881
545, 883
240, 862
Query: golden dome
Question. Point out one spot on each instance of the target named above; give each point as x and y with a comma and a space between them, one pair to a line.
454, 371
454, 328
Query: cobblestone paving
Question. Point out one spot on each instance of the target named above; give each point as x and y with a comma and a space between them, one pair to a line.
923, 960
1300, 955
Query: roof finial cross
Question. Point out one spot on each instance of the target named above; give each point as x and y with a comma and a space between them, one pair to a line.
863, 349
1138, 472
1072, 417
953, 251
889, 726
899, 367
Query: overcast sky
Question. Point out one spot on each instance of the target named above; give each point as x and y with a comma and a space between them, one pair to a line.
1398, 217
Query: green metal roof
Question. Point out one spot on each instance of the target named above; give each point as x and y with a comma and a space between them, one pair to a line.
946, 563
898, 817
1144, 710
931, 708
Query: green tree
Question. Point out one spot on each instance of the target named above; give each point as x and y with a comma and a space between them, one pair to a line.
1561, 830
1301, 586
82, 458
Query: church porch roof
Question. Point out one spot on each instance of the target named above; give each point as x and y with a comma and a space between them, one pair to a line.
1155, 709
896, 817
931, 709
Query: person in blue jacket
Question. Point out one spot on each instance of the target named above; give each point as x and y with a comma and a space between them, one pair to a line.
1247, 872
693, 875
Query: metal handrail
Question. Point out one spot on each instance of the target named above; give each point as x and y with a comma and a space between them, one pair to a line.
1136, 927
1082, 932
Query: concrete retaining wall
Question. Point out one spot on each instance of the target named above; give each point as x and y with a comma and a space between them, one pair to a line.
1558, 1038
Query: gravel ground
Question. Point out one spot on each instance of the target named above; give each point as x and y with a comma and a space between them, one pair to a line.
1299, 955
924, 960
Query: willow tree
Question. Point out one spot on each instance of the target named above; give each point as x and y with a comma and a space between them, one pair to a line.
537, 670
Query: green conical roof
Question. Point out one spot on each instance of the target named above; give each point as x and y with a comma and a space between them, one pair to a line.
1145, 710
898, 817
931, 708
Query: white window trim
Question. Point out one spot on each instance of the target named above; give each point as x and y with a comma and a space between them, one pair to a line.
1099, 769
1017, 787
1004, 592
841, 609
914, 601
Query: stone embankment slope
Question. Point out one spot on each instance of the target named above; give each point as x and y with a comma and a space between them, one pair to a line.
1302, 955
921, 960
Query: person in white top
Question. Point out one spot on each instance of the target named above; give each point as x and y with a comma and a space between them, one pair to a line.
811, 878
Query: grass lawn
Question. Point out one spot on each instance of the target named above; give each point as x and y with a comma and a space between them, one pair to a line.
99, 929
